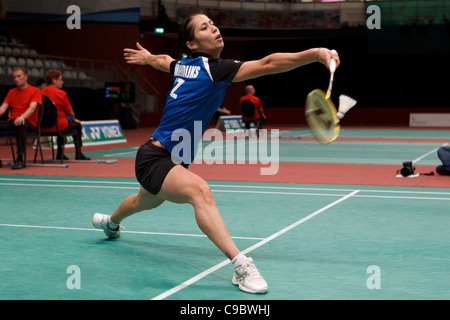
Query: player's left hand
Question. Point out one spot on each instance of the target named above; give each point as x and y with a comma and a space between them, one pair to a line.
139, 56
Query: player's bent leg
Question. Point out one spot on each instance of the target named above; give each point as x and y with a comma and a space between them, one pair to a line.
181, 186
143, 200
184, 186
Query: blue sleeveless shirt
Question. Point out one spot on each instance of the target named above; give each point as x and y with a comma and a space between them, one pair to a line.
199, 88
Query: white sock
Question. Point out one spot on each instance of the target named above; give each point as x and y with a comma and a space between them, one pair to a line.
112, 225
238, 259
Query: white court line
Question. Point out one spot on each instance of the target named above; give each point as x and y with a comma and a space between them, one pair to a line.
340, 160
131, 153
428, 153
119, 154
324, 189
77, 181
125, 231
235, 191
65, 186
330, 195
399, 197
242, 191
255, 246
211, 185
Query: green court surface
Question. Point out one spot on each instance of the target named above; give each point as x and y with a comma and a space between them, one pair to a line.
354, 152
123, 152
308, 241
376, 133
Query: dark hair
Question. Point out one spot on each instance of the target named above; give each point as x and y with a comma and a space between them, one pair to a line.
186, 33
53, 74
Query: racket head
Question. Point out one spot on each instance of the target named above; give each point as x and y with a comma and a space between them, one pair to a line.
321, 117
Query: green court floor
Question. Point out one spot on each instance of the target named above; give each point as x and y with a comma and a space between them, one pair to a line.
308, 241
354, 152
431, 133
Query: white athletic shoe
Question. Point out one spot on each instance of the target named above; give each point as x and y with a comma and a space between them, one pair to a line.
100, 221
248, 278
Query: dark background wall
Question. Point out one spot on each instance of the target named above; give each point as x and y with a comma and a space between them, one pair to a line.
390, 74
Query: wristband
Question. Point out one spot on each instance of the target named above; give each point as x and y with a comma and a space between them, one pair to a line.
317, 54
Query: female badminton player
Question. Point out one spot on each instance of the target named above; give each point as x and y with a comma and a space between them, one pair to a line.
200, 82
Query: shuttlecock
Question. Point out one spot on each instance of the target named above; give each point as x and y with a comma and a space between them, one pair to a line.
345, 103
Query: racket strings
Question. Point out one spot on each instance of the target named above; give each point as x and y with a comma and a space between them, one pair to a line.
321, 117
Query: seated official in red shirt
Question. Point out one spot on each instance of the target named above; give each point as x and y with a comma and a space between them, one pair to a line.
259, 117
53, 91
22, 103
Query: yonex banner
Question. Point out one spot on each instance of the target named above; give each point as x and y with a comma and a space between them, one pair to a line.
229, 122
101, 132
232, 122
96, 133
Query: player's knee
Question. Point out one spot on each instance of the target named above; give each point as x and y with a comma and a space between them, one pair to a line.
201, 193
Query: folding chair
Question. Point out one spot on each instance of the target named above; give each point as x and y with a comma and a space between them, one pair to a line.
50, 120
248, 110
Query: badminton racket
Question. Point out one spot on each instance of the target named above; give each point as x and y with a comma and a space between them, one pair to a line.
320, 112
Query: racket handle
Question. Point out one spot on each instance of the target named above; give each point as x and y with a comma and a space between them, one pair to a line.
332, 65
333, 62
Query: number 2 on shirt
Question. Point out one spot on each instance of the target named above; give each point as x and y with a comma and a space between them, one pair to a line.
178, 82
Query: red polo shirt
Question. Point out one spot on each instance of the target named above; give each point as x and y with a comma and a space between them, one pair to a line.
19, 101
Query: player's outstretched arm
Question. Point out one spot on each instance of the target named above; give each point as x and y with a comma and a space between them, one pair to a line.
283, 62
142, 56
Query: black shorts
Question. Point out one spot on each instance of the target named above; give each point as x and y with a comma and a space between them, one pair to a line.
152, 166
